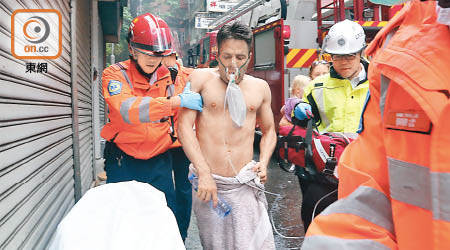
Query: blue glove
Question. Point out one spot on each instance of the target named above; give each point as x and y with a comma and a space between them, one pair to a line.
303, 111
191, 100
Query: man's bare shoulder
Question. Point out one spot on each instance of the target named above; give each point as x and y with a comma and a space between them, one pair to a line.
203, 74
258, 87
257, 82
198, 77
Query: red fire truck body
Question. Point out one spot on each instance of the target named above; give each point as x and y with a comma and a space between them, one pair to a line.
208, 49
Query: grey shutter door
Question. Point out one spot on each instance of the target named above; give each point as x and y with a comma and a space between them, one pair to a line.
102, 106
98, 112
101, 99
83, 43
36, 154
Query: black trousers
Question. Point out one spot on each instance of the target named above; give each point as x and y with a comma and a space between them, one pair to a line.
313, 190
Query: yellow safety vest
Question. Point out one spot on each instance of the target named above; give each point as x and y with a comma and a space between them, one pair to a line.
336, 106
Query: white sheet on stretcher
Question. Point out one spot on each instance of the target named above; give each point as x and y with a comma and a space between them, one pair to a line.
117, 216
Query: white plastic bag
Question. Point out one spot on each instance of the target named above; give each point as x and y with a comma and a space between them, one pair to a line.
118, 216
236, 102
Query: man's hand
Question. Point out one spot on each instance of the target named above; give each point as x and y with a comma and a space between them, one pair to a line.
191, 100
302, 111
207, 188
261, 170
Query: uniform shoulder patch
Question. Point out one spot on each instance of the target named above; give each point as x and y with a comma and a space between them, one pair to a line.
319, 84
114, 87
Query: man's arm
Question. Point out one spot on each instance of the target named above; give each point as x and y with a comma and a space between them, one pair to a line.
207, 188
269, 137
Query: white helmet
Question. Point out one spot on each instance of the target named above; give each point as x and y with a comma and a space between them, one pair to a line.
345, 37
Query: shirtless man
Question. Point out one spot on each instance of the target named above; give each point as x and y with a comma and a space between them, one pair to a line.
220, 150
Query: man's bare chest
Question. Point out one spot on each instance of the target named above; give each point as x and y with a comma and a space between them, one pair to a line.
214, 97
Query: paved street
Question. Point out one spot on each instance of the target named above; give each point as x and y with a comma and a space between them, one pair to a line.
285, 210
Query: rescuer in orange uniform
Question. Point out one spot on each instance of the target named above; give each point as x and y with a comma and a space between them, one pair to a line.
142, 104
394, 180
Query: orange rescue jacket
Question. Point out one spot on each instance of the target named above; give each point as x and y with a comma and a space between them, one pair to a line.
394, 179
139, 112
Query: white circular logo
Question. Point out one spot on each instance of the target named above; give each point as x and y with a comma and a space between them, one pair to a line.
341, 42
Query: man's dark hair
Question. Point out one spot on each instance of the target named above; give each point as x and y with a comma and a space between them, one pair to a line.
235, 30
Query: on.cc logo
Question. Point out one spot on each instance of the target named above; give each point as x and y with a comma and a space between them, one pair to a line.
36, 29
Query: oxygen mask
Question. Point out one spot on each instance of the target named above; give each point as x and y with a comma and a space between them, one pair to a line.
232, 71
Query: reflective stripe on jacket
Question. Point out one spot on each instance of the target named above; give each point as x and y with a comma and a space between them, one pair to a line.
394, 187
337, 105
139, 113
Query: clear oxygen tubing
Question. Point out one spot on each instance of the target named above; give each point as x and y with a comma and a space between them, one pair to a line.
234, 65
317, 203
278, 196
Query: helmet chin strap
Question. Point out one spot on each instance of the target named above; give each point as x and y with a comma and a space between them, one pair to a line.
138, 67
353, 75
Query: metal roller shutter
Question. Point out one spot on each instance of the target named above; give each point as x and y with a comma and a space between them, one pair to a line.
102, 105
98, 102
36, 166
83, 71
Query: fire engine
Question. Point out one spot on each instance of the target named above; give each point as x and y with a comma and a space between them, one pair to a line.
295, 30
208, 49
204, 52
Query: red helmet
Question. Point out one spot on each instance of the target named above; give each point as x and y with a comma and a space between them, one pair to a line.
151, 35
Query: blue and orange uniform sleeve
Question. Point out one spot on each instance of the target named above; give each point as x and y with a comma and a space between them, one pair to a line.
128, 107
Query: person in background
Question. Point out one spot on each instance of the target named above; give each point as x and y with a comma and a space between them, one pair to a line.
180, 162
394, 188
142, 103
299, 84
319, 68
336, 101
296, 92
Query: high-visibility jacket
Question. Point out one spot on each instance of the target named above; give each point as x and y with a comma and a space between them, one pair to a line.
140, 112
335, 104
394, 179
